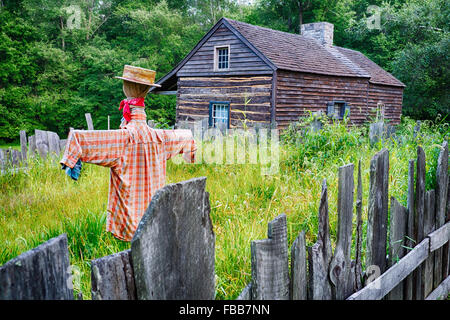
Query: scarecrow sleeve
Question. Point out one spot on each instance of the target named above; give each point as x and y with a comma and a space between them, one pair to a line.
101, 147
180, 141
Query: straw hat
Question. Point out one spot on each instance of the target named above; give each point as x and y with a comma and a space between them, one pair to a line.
139, 75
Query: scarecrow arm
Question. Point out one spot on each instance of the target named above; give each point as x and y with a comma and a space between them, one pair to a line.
101, 147
180, 141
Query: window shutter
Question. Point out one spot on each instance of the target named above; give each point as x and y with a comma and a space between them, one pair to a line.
210, 115
229, 116
347, 110
330, 109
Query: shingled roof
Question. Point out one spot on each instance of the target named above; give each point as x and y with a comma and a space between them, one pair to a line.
295, 52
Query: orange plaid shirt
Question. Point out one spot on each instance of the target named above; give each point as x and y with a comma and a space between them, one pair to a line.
137, 156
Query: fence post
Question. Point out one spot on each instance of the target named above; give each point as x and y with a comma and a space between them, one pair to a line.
173, 247
89, 121
270, 268
397, 232
319, 255
428, 227
359, 236
298, 268
38, 274
409, 284
378, 211
23, 144
441, 203
446, 264
340, 270
112, 277
419, 206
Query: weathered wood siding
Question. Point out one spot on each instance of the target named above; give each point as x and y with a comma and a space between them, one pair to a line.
195, 93
243, 61
391, 97
299, 92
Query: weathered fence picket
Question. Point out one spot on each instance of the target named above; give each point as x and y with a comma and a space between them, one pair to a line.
270, 268
409, 241
378, 211
90, 125
299, 279
173, 247
41, 273
428, 227
23, 144
441, 204
359, 234
340, 270
419, 207
112, 277
397, 233
319, 255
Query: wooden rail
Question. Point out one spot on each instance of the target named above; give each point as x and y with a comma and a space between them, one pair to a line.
382, 285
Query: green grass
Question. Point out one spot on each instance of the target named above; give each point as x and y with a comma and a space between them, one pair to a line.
43, 202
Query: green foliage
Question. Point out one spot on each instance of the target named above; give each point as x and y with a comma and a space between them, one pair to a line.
58, 58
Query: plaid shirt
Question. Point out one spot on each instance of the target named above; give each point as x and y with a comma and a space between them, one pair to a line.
137, 156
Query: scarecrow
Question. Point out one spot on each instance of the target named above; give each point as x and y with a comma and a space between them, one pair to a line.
136, 155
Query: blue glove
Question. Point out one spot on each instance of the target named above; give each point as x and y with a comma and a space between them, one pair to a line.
74, 172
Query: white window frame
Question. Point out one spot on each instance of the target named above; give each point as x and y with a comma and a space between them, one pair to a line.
216, 57
217, 113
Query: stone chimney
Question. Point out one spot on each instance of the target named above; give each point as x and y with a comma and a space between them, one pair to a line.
320, 31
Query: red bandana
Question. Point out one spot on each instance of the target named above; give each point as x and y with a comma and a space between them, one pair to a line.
125, 104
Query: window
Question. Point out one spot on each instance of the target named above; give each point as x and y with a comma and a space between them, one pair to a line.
338, 109
222, 58
219, 114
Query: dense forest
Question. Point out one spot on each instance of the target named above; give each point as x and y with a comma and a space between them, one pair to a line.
58, 58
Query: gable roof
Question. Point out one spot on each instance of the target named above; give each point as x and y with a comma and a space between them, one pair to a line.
377, 74
288, 51
295, 52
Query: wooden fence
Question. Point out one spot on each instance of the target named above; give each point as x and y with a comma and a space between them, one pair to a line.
173, 251
407, 252
42, 143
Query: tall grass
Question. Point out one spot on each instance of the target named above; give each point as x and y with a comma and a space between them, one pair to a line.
41, 203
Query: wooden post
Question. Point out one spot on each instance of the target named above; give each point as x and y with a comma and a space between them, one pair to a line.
446, 249
410, 243
419, 207
319, 255
113, 278
23, 145
2, 160
38, 274
89, 121
359, 235
298, 268
378, 211
428, 227
172, 250
270, 266
397, 232
441, 203
41, 143
32, 144
340, 271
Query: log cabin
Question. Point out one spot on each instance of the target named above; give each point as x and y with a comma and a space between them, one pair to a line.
240, 73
